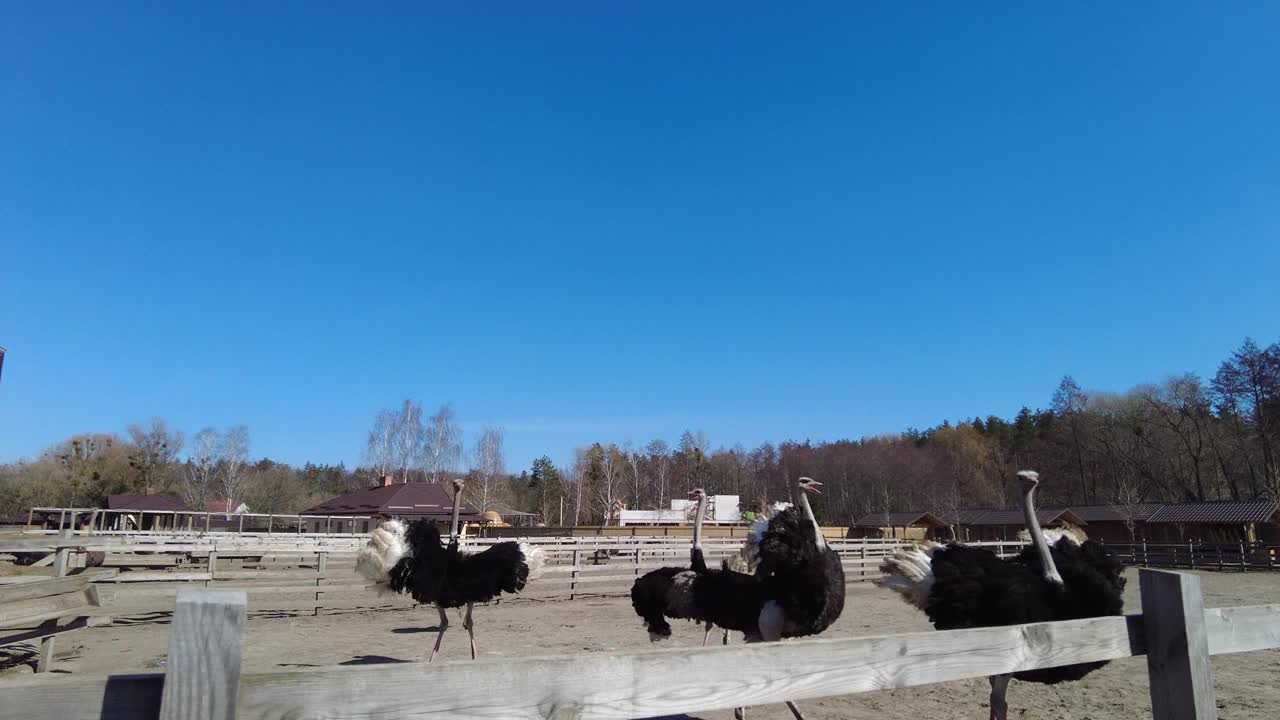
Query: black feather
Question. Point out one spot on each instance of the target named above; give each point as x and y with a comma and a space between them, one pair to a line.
806, 580
450, 578
974, 588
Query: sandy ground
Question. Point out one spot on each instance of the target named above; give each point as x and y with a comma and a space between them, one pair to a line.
1247, 684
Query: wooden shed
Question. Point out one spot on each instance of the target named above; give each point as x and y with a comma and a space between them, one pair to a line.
900, 526
1216, 521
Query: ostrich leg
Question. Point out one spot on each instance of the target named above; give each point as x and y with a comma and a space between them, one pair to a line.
707, 634
999, 686
471, 630
444, 625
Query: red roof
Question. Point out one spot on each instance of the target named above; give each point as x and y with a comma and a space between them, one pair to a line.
144, 502
396, 500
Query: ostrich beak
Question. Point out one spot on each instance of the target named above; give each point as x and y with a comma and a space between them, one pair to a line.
813, 486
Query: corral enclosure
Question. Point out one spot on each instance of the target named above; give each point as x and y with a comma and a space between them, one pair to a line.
284, 575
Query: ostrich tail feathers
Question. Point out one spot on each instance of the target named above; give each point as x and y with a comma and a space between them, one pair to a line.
534, 558
385, 548
909, 572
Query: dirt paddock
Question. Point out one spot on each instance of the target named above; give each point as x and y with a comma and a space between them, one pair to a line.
1247, 684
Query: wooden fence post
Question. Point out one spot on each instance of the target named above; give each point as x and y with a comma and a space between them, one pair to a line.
573, 586
213, 567
862, 569
202, 680
321, 565
45, 660
1177, 646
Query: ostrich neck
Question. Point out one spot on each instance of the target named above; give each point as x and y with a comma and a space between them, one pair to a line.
1037, 537
457, 510
697, 522
808, 513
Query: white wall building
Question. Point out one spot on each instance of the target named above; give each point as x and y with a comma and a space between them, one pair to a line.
721, 509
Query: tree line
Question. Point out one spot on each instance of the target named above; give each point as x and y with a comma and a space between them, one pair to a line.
1184, 438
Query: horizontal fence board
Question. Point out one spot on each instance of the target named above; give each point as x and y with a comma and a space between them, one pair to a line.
650, 683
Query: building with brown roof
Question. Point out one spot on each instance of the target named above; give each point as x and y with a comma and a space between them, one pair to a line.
903, 526
1216, 521
361, 511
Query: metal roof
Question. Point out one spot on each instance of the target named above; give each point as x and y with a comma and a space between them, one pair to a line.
900, 519
1225, 512
144, 502
1046, 516
399, 499
967, 516
1110, 513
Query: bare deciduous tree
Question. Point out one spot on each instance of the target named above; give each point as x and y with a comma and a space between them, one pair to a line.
443, 446
409, 437
234, 454
488, 468
660, 461
202, 466
154, 449
380, 452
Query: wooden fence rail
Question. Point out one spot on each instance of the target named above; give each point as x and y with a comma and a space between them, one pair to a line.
1174, 632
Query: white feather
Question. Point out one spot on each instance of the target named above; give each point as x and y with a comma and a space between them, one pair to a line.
385, 548
1073, 534
909, 572
534, 557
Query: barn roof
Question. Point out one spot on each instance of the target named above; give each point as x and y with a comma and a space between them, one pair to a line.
1109, 513
900, 519
967, 516
398, 499
1007, 516
1226, 512
145, 502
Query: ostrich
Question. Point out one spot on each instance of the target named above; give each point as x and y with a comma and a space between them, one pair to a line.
797, 587
412, 560
963, 587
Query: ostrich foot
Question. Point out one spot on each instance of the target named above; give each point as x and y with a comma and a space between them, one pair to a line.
795, 710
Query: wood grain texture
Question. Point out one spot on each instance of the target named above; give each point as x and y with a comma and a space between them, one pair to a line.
1177, 645
202, 679
648, 683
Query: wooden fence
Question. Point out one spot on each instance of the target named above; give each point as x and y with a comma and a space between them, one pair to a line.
1176, 634
48, 608
1202, 556
310, 574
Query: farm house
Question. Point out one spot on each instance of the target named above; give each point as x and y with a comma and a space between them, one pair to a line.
364, 509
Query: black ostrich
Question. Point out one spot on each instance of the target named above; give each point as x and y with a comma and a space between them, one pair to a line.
413, 561
797, 587
964, 587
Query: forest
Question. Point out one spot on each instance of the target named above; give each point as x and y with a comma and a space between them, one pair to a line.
1183, 438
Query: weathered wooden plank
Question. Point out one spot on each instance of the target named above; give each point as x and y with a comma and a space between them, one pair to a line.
23, 612
202, 679
42, 588
1242, 629
79, 623
1177, 646
653, 683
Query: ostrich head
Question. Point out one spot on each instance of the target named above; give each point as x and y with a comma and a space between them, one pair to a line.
697, 494
1029, 480
810, 485
458, 484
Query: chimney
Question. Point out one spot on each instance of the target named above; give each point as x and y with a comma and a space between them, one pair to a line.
388, 481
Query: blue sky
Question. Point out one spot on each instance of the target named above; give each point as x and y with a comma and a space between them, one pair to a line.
606, 221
